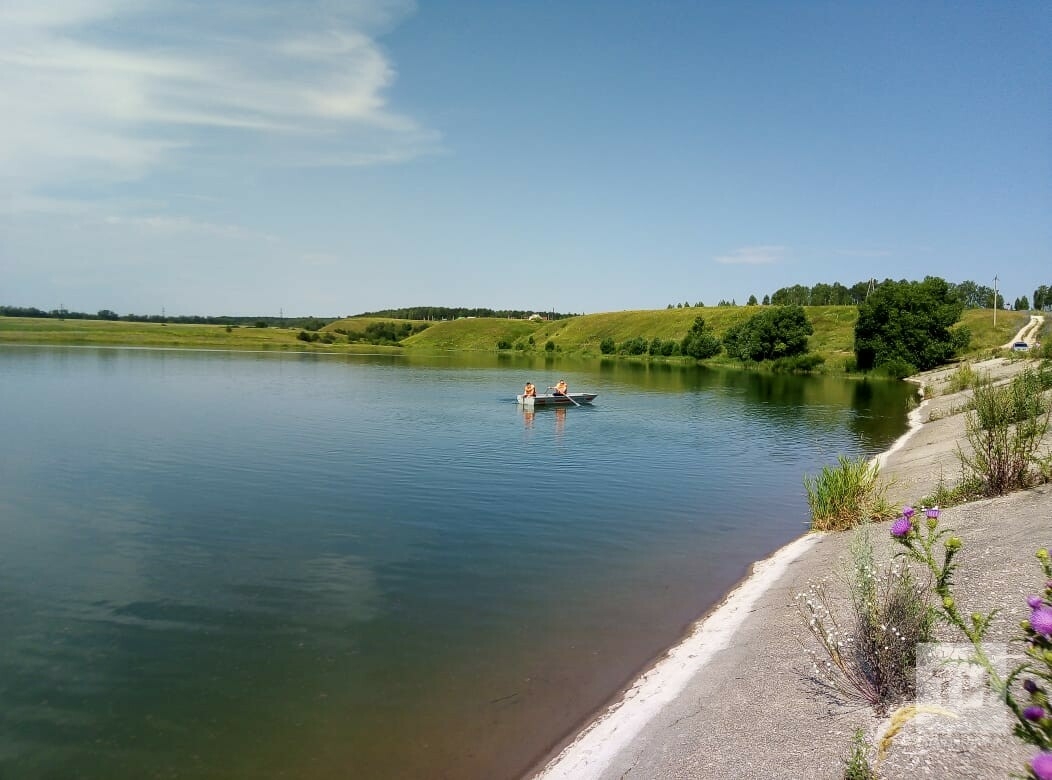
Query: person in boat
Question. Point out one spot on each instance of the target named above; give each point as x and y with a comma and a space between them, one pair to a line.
529, 391
561, 388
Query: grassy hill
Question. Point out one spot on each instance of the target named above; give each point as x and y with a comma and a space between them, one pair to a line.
581, 336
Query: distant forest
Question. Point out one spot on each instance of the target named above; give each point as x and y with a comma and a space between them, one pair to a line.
310, 323
446, 313
970, 294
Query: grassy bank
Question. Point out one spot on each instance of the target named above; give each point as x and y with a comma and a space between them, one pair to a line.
576, 336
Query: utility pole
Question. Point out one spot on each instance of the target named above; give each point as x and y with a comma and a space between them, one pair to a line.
995, 300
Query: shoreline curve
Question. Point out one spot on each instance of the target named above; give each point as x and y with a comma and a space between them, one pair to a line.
597, 744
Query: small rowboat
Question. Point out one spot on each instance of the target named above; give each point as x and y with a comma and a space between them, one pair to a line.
553, 399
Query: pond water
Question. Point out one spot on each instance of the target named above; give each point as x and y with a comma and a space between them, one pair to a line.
221, 565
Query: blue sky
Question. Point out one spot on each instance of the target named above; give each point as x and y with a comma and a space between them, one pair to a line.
324, 157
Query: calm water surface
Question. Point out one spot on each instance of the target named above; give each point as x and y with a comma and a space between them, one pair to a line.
260, 566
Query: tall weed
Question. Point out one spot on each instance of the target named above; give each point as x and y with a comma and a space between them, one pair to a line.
1005, 433
872, 658
845, 495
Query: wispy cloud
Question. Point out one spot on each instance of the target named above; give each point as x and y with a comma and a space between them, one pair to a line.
184, 226
864, 252
98, 91
753, 255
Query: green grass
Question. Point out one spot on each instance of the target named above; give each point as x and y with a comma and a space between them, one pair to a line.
985, 335
27, 330
845, 495
833, 338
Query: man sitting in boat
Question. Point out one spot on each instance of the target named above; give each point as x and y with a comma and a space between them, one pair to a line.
529, 391
561, 388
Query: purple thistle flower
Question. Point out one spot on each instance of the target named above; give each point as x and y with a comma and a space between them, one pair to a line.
932, 513
1041, 765
1034, 713
1034, 601
901, 527
908, 512
1030, 686
1041, 620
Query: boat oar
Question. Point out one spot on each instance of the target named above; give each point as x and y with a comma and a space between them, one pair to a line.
568, 398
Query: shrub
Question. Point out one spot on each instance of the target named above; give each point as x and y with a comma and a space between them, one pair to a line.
503, 344
875, 658
798, 363
261, 323
961, 379
700, 342
303, 336
636, 346
845, 495
607, 346
779, 331
896, 368
549, 345
1004, 434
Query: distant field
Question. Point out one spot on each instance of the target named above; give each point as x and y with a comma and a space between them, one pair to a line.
833, 337
27, 330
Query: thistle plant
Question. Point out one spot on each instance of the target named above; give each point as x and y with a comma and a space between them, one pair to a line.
1033, 720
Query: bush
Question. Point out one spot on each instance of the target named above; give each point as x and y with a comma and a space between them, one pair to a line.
801, 364
961, 379
607, 346
503, 344
261, 323
779, 331
845, 495
636, 346
874, 659
549, 345
700, 343
897, 369
1004, 434
303, 336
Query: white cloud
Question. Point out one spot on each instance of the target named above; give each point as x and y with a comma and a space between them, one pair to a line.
98, 91
753, 255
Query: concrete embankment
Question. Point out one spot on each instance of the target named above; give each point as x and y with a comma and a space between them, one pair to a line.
736, 699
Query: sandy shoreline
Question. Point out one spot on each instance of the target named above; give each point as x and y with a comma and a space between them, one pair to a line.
595, 747
683, 716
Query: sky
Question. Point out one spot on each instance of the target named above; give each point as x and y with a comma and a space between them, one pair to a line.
328, 157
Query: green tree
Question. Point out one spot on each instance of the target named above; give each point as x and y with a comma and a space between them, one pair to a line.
752, 301
909, 322
776, 332
607, 346
767, 300
700, 342
1022, 304
797, 295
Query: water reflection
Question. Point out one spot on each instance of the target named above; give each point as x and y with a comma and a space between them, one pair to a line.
223, 565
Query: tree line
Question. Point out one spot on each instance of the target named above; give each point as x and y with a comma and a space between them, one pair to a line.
310, 323
454, 313
972, 295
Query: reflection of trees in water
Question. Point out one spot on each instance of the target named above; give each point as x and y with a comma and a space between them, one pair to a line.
873, 410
